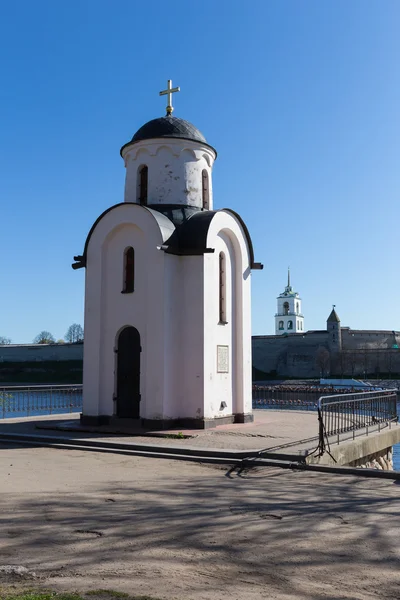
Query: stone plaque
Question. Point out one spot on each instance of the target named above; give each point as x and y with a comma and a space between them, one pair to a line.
222, 359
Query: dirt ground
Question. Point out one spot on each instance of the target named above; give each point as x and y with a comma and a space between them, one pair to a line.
175, 530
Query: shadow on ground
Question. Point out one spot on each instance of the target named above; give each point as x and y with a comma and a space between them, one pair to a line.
200, 531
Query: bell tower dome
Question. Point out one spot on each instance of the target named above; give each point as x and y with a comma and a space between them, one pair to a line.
289, 318
169, 166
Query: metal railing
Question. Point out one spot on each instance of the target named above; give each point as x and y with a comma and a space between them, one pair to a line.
18, 401
285, 399
343, 416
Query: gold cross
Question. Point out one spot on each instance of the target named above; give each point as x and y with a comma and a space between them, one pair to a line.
169, 91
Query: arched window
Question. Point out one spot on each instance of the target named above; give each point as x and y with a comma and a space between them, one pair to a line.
129, 271
290, 325
222, 288
286, 308
280, 324
205, 190
297, 307
143, 177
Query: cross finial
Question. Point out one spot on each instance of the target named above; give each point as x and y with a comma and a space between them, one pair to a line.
288, 276
169, 91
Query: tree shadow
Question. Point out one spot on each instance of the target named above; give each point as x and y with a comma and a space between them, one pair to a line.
298, 534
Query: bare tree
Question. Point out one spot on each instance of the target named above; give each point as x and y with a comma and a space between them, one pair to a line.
341, 362
377, 362
349, 362
44, 337
389, 362
323, 360
4, 340
365, 361
74, 333
353, 359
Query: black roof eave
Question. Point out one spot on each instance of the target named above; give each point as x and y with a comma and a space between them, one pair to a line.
169, 137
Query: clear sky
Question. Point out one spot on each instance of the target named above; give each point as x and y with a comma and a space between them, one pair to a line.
300, 98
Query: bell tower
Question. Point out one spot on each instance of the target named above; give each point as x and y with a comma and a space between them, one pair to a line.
289, 318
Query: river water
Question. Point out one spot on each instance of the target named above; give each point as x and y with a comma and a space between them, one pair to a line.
396, 457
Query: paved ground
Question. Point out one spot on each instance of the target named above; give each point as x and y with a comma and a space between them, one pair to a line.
186, 531
272, 429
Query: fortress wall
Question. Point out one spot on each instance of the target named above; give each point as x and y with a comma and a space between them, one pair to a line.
292, 356
295, 355
356, 340
40, 352
266, 351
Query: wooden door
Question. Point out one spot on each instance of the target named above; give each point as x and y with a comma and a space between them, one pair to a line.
128, 374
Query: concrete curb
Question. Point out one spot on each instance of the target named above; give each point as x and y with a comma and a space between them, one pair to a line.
241, 459
148, 448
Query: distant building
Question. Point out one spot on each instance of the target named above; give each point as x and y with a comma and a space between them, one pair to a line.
335, 350
289, 319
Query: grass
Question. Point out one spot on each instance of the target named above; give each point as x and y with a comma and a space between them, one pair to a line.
101, 594
176, 436
112, 593
39, 596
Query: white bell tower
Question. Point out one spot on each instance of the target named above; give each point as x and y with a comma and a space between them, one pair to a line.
289, 318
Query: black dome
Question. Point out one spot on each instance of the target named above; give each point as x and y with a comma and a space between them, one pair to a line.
167, 127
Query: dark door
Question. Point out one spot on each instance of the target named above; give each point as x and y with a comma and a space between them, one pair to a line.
128, 373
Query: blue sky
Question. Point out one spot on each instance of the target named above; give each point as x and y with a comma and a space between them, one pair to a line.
301, 100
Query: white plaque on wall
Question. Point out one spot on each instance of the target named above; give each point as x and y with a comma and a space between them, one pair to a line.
222, 359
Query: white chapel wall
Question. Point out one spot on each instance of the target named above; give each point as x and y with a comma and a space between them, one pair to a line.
218, 386
141, 309
174, 171
189, 369
225, 234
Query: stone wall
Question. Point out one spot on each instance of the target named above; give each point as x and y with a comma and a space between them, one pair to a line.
353, 339
40, 352
309, 354
379, 460
290, 356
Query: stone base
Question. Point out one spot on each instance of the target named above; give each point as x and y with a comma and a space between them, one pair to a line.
244, 418
97, 420
379, 460
162, 424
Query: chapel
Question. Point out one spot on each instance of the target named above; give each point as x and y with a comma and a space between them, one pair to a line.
167, 291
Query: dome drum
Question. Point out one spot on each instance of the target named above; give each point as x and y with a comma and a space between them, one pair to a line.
177, 161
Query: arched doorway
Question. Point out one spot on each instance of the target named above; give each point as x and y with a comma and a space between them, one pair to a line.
128, 373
